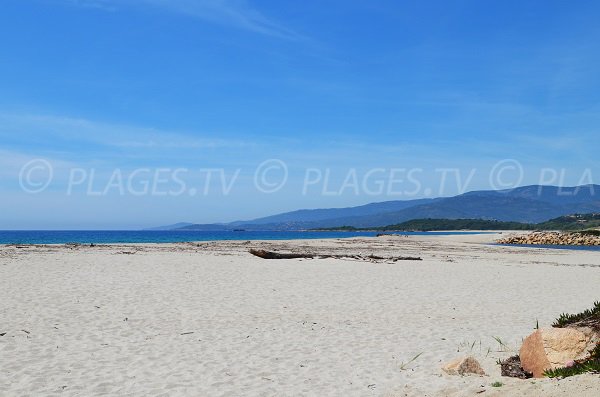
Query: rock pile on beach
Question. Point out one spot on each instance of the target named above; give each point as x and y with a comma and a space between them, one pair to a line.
552, 238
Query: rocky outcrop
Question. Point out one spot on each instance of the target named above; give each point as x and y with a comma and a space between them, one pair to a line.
553, 348
463, 366
551, 238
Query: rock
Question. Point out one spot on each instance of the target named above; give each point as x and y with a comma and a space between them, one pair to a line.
565, 344
533, 356
463, 366
554, 348
552, 238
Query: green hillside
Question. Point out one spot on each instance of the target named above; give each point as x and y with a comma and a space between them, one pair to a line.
572, 222
576, 222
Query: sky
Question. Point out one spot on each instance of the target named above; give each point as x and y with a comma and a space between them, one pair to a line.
125, 114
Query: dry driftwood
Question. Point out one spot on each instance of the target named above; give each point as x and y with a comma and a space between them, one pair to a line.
277, 255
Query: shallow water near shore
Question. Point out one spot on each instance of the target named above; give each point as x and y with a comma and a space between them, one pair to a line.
175, 236
555, 246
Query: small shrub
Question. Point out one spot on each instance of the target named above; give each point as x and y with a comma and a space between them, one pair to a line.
589, 365
589, 314
590, 318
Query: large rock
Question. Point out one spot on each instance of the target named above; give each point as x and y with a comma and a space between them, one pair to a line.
463, 366
554, 348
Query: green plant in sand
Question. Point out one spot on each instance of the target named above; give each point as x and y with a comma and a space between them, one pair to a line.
404, 366
502, 347
590, 365
592, 314
588, 318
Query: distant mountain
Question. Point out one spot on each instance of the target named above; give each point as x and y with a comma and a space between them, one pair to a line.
528, 204
171, 227
517, 205
333, 213
428, 225
491, 207
308, 218
555, 195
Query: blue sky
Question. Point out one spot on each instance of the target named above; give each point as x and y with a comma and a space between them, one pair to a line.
329, 85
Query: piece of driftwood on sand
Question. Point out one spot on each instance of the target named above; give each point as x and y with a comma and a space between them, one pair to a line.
279, 255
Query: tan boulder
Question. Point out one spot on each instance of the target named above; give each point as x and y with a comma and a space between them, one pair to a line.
554, 348
463, 366
533, 356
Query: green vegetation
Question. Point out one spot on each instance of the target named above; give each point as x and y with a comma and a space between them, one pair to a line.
590, 318
404, 366
580, 223
457, 224
503, 347
427, 225
588, 315
592, 232
497, 384
571, 222
591, 365
338, 229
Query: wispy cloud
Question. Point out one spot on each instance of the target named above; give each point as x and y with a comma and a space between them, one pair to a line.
12, 162
234, 13
47, 129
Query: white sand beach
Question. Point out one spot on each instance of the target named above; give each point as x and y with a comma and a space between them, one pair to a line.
209, 319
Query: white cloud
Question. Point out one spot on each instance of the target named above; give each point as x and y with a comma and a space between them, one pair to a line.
50, 131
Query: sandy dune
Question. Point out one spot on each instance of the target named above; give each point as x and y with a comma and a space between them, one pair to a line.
209, 319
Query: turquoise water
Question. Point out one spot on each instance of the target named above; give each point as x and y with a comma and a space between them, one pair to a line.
147, 236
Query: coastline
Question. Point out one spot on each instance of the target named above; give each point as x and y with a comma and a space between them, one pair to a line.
24, 237
207, 318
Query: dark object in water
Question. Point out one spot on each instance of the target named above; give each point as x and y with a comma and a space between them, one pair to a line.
512, 367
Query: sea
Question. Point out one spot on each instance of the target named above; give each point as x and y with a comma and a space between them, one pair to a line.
555, 246
173, 236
